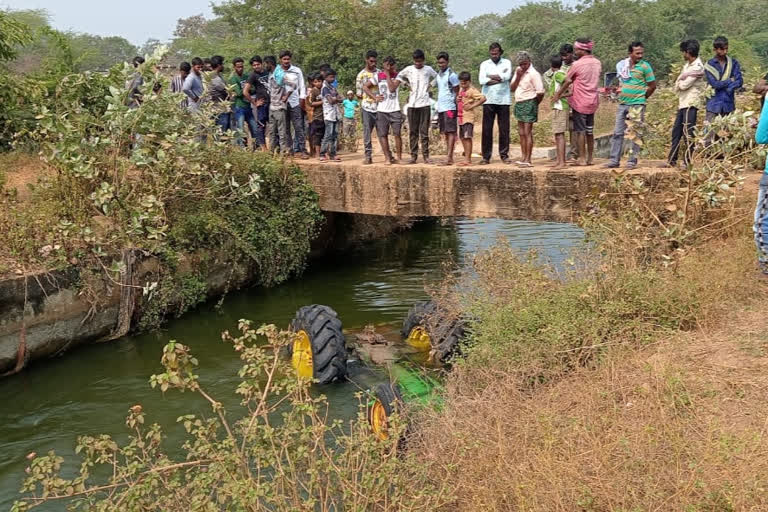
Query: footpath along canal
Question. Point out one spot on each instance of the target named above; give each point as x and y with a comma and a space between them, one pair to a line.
89, 390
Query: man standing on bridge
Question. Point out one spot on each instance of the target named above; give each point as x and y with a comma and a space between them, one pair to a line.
369, 102
637, 85
584, 75
495, 75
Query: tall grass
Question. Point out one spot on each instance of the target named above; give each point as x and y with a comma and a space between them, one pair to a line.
604, 390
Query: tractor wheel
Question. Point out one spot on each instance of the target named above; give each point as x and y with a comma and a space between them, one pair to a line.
387, 401
318, 350
428, 328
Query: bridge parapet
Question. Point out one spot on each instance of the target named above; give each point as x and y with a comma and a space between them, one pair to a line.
492, 191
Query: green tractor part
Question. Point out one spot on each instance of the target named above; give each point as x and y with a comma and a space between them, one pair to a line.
408, 388
318, 352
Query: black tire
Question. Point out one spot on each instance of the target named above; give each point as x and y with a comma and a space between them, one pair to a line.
445, 330
391, 399
329, 352
418, 315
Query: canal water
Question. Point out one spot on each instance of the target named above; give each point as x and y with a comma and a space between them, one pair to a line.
89, 390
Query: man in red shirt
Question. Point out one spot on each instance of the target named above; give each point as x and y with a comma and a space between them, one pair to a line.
584, 77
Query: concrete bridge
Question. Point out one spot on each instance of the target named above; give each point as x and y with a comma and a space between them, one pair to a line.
497, 190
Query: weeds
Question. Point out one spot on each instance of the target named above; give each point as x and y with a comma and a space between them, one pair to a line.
283, 455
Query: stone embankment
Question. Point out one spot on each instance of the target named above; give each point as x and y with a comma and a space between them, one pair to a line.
47, 313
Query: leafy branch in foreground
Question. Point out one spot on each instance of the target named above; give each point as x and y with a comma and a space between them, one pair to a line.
285, 454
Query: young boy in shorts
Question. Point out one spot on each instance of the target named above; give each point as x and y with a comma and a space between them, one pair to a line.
468, 99
385, 88
317, 124
560, 109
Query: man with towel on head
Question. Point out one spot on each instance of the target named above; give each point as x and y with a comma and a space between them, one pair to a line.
584, 76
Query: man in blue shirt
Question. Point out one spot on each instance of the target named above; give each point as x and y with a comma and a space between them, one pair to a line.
724, 76
447, 113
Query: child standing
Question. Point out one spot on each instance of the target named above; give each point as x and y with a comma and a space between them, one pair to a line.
350, 106
331, 99
469, 99
560, 109
317, 124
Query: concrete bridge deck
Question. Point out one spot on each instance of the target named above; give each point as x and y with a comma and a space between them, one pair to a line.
496, 190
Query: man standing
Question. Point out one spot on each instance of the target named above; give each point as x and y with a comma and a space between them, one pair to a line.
637, 85
388, 115
242, 105
133, 85
419, 78
566, 54
447, 114
218, 92
177, 84
193, 85
529, 91
278, 118
689, 87
724, 76
495, 75
264, 70
369, 103
294, 78
584, 76
256, 94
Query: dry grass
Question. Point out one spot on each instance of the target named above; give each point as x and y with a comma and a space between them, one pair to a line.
624, 390
676, 426
19, 170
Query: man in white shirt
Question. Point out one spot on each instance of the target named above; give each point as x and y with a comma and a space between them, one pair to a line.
419, 79
295, 103
388, 115
689, 86
529, 91
495, 75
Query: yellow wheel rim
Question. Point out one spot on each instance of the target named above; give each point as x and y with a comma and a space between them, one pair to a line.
379, 420
419, 339
302, 355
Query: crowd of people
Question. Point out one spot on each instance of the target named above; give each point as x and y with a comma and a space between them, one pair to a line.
284, 110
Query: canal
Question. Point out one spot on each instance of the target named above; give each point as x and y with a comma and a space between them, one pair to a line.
89, 390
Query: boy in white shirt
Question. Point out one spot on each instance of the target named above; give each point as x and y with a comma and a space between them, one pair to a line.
419, 79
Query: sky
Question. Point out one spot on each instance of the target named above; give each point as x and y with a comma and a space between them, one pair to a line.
131, 19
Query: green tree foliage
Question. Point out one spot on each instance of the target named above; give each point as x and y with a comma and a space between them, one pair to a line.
542, 27
47, 50
97, 53
13, 34
338, 32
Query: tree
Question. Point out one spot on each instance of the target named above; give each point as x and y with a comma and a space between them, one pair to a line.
97, 53
13, 34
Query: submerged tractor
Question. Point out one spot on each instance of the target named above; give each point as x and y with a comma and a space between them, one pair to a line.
319, 351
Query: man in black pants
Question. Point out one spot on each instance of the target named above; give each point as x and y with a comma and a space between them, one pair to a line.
495, 74
689, 86
419, 79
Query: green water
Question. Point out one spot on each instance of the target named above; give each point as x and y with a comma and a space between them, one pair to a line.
89, 390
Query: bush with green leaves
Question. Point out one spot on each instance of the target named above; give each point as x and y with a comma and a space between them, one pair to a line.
284, 454
155, 179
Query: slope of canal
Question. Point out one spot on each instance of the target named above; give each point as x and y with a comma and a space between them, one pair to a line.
89, 390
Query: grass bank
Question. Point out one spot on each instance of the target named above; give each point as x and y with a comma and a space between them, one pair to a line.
624, 387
